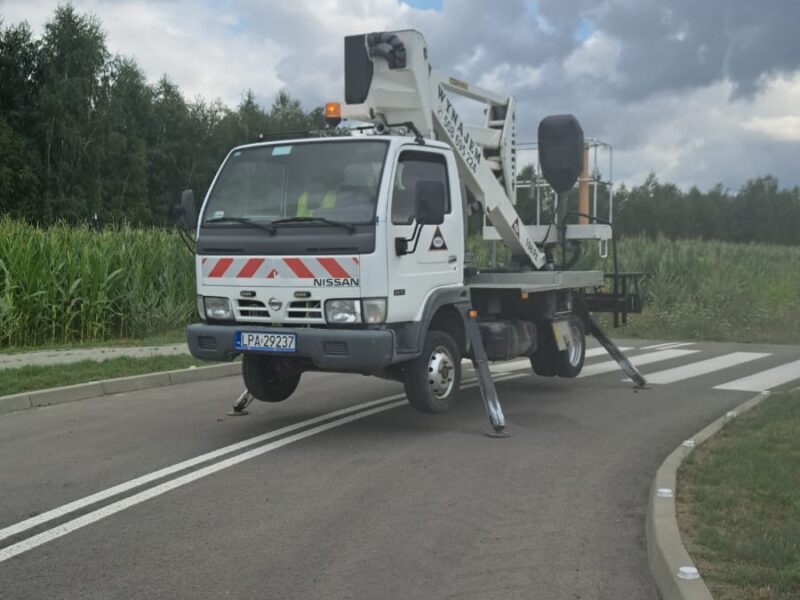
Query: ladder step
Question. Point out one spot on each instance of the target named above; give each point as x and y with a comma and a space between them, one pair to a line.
497, 124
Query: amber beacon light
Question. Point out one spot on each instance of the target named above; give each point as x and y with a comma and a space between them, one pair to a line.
333, 113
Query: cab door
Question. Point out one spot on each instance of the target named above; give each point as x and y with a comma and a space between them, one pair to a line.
435, 252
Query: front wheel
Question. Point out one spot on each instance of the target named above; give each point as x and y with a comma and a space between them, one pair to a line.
432, 380
263, 381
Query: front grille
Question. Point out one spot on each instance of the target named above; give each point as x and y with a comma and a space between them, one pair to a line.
207, 342
253, 309
310, 310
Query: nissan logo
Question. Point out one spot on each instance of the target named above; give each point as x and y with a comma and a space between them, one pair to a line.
275, 304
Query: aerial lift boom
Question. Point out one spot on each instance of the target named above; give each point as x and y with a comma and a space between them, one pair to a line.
403, 90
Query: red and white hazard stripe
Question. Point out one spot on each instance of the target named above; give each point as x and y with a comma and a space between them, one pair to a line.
299, 267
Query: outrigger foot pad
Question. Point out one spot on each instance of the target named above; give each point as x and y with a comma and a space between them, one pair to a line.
238, 409
498, 433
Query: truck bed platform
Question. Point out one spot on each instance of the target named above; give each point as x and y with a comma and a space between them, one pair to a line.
536, 281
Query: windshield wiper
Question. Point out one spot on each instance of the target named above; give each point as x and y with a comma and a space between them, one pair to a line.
351, 227
244, 221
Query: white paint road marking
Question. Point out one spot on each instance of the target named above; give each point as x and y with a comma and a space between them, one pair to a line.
139, 481
593, 352
115, 507
525, 364
644, 359
765, 380
702, 367
120, 505
666, 345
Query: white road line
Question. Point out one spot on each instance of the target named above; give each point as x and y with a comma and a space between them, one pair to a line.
765, 380
702, 367
593, 352
139, 481
525, 364
157, 490
512, 365
644, 359
162, 488
666, 345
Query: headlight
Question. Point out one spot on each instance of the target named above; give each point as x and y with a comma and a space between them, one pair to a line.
374, 310
343, 311
218, 309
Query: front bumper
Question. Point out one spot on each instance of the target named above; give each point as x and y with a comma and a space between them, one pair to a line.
356, 350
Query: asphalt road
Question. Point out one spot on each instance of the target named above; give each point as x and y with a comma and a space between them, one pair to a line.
373, 501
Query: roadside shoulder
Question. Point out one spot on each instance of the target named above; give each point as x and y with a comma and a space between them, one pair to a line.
84, 391
673, 569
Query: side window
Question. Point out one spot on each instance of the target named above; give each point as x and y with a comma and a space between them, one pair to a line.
414, 167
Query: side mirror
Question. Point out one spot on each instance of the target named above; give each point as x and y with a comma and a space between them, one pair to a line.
561, 151
430, 202
186, 211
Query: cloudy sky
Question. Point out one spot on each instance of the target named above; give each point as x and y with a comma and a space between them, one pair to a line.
699, 91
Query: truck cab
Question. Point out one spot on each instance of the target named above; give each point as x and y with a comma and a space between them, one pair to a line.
329, 254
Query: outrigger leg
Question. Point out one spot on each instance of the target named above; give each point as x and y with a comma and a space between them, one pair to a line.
244, 400
485, 382
605, 341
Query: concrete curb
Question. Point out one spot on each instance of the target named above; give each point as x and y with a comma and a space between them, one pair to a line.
665, 550
94, 389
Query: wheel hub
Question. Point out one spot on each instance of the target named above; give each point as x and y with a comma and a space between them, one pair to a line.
441, 370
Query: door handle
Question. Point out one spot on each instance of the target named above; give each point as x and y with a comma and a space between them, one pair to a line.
452, 259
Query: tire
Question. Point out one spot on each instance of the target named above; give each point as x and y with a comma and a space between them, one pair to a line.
544, 360
263, 382
549, 361
570, 361
433, 379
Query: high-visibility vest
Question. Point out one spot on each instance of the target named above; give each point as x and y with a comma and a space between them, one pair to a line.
328, 201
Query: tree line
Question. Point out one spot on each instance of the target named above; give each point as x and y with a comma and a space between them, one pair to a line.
85, 138
760, 211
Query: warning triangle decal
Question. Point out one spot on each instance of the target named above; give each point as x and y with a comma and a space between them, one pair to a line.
438, 243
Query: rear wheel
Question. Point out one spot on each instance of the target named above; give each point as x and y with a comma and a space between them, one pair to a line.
549, 361
570, 361
262, 380
432, 380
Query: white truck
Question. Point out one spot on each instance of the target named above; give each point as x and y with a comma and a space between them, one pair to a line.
348, 253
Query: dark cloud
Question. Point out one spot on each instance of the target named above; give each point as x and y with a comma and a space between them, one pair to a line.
681, 44
699, 91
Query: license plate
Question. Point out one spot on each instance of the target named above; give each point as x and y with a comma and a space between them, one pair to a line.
273, 342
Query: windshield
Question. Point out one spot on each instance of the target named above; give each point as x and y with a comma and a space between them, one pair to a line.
337, 181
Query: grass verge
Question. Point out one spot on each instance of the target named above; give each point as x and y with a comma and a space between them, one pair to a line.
739, 504
177, 336
28, 379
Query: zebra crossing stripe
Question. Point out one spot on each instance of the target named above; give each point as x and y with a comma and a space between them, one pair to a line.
765, 380
702, 367
644, 359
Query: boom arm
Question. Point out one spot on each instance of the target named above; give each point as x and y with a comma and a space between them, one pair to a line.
389, 82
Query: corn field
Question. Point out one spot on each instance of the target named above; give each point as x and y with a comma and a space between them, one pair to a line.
69, 284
